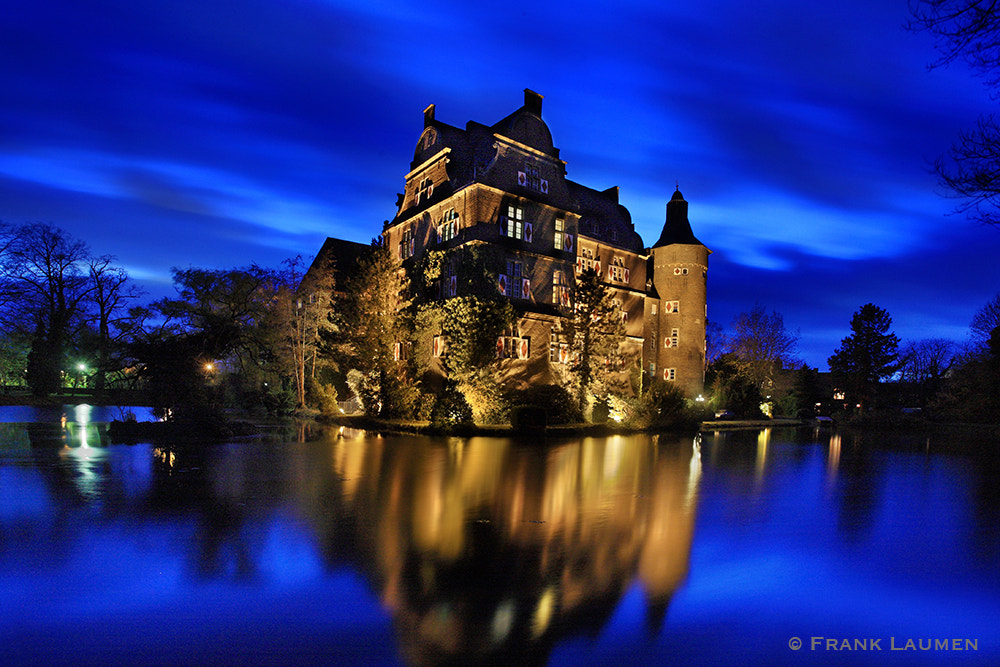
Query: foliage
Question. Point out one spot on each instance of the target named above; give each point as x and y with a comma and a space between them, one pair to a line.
112, 293
472, 325
968, 31
732, 389
923, 365
715, 341
451, 409
971, 392
322, 395
44, 288
485, 396
868, 356
806, 394
366, 388
14, 359
559, 405
376, 328
301, 316
470, 317
595, 333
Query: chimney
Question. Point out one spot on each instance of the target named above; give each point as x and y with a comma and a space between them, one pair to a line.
428, 116
532, 102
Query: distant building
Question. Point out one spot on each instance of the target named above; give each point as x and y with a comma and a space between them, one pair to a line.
505, 186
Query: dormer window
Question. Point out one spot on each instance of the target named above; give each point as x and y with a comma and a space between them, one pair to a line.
429, 138
530, 177
617, 271
425, 190
586, 260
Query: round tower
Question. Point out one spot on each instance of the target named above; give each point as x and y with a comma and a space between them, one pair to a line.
680, 280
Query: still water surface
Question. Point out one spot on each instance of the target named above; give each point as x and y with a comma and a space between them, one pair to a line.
344, 547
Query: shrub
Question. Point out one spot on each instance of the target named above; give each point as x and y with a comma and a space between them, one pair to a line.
665, 406
451, 408
560, 407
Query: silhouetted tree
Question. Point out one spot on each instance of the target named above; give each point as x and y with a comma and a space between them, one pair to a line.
111, 295
807, 393
868, 356
219, 321
44, 287
971, 391
923, 365
985, 320
968, 31
732, 389
761, 345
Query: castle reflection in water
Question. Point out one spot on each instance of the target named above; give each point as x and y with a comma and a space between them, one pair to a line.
479, 548
484, 548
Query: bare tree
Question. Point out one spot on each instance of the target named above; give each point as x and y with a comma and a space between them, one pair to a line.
923, 365
111, 293
762, 345
985, 321
304, 304
968, 31
45, 287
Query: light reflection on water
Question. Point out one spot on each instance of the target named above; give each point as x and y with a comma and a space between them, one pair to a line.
386, 549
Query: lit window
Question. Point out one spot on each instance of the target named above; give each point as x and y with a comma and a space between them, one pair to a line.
512, 224
406, 244
448, 228
654, 309
557, 240
560, 289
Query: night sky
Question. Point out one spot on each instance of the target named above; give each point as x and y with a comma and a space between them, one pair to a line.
215, 134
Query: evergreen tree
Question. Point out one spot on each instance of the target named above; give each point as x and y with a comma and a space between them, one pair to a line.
595, 333
868, 356
376, 333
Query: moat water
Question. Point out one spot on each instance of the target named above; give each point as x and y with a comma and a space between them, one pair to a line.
777, 546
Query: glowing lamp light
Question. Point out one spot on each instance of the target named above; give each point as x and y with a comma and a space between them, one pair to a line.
210, 367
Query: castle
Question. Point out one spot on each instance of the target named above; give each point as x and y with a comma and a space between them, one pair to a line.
505, 186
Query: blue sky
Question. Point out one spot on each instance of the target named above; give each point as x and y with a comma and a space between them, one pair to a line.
215, 134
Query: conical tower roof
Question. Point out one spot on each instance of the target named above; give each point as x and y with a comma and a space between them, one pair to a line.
677, 229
